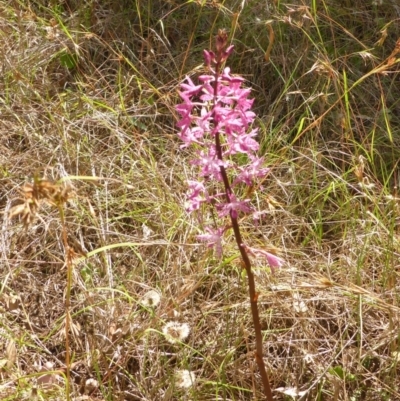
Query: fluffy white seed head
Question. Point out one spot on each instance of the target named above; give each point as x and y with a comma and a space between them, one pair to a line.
175, 332
184, 379
151, 299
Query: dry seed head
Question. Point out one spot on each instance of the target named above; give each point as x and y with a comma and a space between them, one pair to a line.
184, 379
34, 194
151, 299
175, 332
91, 385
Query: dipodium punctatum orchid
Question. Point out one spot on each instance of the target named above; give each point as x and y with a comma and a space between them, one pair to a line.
216, 118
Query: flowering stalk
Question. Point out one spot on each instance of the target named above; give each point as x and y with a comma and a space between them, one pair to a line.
216, 117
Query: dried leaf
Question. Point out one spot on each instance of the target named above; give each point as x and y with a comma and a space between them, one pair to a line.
291, 391
47, 379
11, 354
298, 304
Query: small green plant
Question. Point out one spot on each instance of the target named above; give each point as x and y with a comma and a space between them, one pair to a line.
68, 60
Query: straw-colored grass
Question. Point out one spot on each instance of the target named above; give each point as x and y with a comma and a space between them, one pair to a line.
87, 95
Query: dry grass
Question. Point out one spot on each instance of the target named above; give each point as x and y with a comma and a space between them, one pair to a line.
87, 96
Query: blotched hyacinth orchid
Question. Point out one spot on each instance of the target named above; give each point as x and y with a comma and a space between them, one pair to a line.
216, 117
